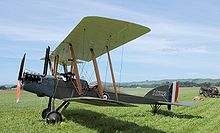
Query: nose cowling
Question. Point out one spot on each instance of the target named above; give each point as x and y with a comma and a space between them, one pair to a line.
35, 83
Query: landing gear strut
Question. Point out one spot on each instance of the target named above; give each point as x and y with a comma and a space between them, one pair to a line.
46, 110
155, 107
53, 115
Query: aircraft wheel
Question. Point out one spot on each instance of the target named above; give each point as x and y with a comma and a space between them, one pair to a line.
106, 96
45, 112
53, 117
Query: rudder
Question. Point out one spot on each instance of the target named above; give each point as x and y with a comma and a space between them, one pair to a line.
173, 93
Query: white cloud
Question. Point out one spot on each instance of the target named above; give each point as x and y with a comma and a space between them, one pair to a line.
169, 39
165, 46
161, 27
29, 33
200, 50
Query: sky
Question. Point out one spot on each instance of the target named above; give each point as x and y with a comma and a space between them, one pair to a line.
184, 41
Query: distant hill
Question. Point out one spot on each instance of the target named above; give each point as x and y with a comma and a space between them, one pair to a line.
197, 81
7, 86
182, 82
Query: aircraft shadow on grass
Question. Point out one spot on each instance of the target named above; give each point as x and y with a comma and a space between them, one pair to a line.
103, 123
178, 115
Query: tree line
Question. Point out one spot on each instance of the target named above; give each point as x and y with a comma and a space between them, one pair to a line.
3, 87
181, 84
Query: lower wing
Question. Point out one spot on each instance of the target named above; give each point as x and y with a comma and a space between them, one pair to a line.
99, 102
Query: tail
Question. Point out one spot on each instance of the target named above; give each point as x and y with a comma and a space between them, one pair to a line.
173, 93
164, 94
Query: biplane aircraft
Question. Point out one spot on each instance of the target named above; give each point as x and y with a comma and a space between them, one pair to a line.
91, 38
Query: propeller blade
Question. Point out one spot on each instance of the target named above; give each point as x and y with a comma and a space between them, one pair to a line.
21, 67
21, 70
18, 89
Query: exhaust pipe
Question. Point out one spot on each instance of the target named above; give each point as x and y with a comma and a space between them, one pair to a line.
46, 61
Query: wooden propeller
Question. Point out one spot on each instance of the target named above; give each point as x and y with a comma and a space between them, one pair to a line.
21, 70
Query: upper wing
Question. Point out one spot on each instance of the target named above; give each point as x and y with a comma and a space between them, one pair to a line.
66, 61
99, 102
97, 33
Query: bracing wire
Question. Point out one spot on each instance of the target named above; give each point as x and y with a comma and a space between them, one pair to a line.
107, 63
83, 54
85, 65
86, 72
122, 54
90, 78
85, 68
106, 73
98, 61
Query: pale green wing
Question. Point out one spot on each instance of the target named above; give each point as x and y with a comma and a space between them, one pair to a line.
62, 60
97, 33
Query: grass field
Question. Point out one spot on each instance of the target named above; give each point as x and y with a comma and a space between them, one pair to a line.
26, 116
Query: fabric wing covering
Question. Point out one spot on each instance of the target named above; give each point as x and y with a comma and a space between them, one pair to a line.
96, 33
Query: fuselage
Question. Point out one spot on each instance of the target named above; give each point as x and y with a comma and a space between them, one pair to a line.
49, 86
59, 88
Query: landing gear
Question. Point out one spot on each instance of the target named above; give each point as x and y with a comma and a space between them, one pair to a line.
106, 96
52, 115
155, 107
45, 112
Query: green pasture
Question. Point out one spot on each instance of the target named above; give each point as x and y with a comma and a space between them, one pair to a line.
26, 115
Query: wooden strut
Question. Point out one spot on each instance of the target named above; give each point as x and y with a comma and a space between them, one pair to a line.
112, 73
56, 61
75, 69
97, 73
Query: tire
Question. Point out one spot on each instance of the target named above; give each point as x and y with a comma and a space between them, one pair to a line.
53, 117
45, 112
106, 96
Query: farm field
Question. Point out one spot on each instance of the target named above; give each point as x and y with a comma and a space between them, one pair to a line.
26, 115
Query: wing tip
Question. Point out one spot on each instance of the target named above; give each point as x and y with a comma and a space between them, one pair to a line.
146, 29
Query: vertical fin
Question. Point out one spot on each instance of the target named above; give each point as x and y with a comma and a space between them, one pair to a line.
160, 93
175, 91
170, 90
